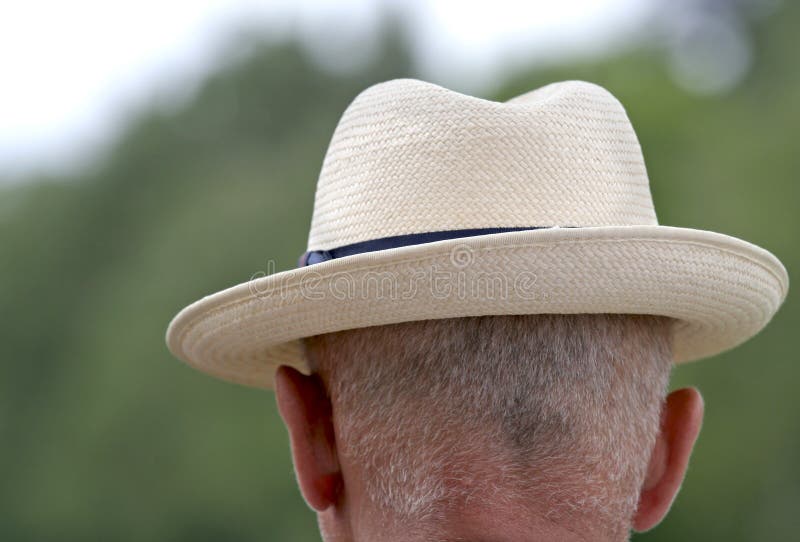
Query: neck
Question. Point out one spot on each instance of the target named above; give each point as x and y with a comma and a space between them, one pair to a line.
468, 526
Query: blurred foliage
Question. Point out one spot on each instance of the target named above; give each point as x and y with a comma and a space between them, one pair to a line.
103, 436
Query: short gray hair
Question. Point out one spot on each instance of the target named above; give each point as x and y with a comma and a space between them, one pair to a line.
561, 408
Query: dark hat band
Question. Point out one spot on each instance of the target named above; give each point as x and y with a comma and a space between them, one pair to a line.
385, 243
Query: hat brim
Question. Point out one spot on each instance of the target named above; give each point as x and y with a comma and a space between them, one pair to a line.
722, 291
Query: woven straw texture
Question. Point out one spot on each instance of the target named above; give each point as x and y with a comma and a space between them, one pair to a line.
411, 157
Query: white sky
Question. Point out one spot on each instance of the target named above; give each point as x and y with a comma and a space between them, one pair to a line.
70, 70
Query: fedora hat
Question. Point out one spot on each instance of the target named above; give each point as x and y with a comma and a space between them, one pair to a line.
434, 204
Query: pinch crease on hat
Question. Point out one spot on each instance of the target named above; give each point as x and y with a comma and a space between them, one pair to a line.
434, 204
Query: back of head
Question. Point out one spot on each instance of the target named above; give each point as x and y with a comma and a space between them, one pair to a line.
554, 413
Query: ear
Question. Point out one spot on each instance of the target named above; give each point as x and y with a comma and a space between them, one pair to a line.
681, 418
306, 410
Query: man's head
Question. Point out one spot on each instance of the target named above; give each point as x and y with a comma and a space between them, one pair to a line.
432, 205
495, 428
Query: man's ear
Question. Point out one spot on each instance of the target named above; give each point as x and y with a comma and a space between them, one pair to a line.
306, 410
681, 418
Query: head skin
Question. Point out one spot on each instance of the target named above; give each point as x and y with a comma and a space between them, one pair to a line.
490, 429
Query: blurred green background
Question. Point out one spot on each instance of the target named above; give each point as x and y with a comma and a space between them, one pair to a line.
104, 436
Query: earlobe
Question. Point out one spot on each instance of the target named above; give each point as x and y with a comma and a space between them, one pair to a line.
681, 418
306, 411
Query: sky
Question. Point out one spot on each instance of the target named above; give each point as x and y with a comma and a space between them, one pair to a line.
70, 72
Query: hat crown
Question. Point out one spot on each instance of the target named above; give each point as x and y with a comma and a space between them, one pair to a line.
413, 157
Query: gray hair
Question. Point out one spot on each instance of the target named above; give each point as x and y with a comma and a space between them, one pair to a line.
563, 409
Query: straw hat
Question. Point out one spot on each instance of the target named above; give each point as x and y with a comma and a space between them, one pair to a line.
433, 204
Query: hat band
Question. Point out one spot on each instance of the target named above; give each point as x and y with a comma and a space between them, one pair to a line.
318, 256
